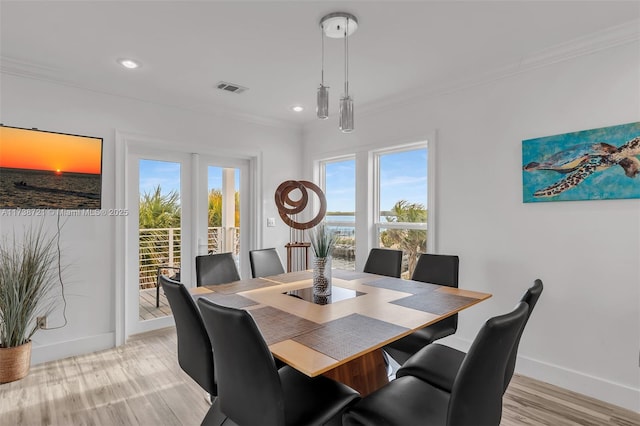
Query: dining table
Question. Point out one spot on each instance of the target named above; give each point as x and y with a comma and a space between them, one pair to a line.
340, 336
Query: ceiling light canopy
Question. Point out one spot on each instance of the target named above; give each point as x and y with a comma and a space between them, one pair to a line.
334, 24
337, 25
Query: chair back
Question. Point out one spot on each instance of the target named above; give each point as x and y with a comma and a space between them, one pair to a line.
195, 355
476, 396
530, 298
386, 262
265, 263
250, 388
441, 269
217, 268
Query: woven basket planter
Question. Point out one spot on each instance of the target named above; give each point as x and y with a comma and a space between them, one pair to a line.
15, 362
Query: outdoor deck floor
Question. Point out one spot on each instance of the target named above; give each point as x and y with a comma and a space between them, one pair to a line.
147, 305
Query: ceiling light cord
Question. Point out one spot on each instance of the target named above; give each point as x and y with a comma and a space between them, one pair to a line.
322, 63
346, 58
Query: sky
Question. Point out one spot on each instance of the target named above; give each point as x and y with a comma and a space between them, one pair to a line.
167, 175
29, 149
403, 176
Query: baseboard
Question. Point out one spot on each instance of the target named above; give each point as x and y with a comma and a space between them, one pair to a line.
44, 353
596, 387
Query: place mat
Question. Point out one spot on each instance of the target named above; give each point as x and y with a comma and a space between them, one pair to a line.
435, 302
277, 325
291, 277
229, 300
349, 275
244, 285
406, 286
348, 336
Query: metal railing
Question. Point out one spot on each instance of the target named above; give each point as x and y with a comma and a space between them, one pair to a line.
161, 247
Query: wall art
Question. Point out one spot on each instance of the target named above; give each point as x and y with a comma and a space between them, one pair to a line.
595, 164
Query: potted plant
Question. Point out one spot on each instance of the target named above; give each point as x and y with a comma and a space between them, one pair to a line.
29, 268
322, 241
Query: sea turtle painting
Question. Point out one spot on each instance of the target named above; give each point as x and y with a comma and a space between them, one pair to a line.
568, 169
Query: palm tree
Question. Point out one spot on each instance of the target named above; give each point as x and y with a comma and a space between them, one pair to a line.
159, 210
215, 208
215, 216
411, 241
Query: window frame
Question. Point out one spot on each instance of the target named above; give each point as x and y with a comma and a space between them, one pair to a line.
322, 179
322, 183
366, 230
378, 225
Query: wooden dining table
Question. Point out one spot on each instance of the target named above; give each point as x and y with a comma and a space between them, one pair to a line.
340, 336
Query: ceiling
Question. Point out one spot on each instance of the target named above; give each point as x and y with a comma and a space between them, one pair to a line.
273, 47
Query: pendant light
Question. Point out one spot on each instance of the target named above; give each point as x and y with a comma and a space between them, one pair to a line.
339, 25
322, 108
346, 102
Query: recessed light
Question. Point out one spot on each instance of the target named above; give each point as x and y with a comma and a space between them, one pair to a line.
129, 63
297, 108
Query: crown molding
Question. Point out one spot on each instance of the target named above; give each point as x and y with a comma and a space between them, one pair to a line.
606, 39
36, 71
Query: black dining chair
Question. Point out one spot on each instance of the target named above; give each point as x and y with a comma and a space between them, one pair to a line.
217, 268
441, 269
386, 262
195, 354
265, 263
439, 364
252, 391
174, 277
476, 396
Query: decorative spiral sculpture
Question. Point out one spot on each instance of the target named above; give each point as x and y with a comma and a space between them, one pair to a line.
287, 206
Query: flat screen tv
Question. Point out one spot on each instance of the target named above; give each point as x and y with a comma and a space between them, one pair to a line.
48, 170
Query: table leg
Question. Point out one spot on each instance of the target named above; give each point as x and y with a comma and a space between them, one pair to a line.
364, 374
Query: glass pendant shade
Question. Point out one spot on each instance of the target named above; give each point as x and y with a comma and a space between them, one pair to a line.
346, 114
322, 108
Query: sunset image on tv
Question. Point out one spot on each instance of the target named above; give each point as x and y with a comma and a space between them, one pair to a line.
47, 170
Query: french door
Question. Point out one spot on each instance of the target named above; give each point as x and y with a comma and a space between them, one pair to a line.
222, 195
180, 205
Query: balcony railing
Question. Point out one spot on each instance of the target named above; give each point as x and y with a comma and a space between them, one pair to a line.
161, 247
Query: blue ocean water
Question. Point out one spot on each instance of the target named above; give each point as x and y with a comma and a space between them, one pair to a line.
61, 190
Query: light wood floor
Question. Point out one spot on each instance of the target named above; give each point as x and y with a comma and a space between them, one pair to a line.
141, 383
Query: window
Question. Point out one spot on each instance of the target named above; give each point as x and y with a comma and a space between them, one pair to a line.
338, 180
400, 216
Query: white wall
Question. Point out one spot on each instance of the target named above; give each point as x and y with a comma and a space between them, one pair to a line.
585, 332
89, 242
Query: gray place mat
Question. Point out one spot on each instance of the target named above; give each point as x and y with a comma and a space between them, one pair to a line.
244, 285
406, 286
277, 325
348, 275
435, 302
229, 300
292, 276
348, 336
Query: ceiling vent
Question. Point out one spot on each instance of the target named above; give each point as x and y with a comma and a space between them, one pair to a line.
230, 87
